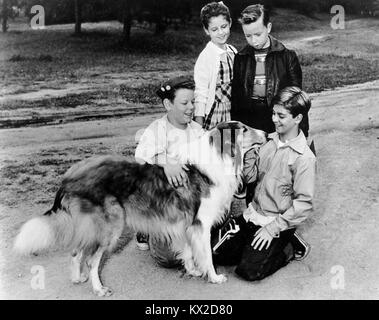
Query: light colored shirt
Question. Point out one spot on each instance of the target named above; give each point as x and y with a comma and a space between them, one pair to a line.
160, 141
205, 76
286, 180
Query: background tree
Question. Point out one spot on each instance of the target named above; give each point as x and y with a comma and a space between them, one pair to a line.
9, 9
78, 16
160, 15
127, 21
4, 15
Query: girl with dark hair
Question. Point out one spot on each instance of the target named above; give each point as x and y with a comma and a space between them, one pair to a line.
213, 71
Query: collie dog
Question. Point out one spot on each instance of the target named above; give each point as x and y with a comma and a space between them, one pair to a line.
101, 195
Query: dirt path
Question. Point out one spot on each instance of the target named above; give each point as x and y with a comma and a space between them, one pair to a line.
35, 105
342, 231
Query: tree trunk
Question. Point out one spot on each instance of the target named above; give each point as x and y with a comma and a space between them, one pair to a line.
78, 17
127, 20
160, 26
5, 15
160, 23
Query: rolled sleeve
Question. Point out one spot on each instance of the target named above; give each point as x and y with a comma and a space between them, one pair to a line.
151, 146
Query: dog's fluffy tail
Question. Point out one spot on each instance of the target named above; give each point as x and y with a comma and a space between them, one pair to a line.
53, 229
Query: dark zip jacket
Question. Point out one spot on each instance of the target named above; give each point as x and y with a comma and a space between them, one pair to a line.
282, 70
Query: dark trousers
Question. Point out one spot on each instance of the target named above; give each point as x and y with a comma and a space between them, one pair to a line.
250, 190
253, 264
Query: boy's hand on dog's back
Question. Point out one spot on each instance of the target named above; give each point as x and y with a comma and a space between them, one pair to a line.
176, 174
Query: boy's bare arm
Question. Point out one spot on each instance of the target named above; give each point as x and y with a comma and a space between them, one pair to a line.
176, 174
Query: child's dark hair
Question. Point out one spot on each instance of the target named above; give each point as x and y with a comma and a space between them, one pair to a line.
214, 9
252, 13
296, 102
168, 89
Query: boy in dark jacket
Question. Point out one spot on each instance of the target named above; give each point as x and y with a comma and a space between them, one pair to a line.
261, 70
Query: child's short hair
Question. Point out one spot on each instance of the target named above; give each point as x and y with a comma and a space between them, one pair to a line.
214, 9
168, 89
252, 13
296, 102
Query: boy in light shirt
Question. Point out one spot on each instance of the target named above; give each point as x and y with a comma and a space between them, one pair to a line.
283, 198
163, 137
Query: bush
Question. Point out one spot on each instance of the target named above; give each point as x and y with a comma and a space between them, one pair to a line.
144, 94
41, 57
308, 8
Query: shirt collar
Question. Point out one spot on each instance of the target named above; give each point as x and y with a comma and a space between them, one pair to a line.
298, 144
217, 49
275, 45
171, 126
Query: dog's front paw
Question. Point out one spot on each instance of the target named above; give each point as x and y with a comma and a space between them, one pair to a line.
194, 273
83, 278
217, 278
103, 292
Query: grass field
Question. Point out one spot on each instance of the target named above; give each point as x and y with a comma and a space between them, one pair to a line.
55, 59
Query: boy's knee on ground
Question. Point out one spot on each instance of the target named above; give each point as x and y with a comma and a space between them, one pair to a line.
261, 269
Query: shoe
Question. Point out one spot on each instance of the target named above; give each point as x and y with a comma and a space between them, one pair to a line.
142, 241
300, 247
227, 231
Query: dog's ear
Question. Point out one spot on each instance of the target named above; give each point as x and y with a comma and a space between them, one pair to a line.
215, 137
224, 139
252, 137
231, 124
248, 138
234, 138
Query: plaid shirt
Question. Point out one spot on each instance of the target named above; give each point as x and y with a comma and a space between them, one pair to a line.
220, 110
206, 74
